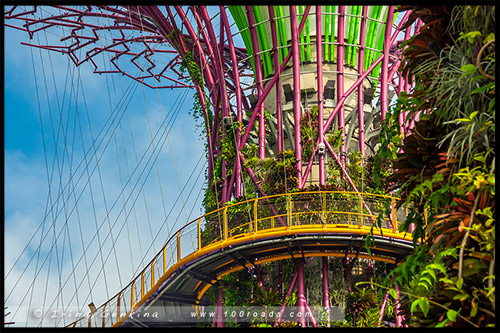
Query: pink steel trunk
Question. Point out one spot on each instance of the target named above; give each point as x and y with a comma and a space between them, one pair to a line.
288, 294
258, 76
382, 308
385, 63
321, 120
361, 103
297, 104
279, 114
271, 84
340, 81
301, 298
326, 294
399, 318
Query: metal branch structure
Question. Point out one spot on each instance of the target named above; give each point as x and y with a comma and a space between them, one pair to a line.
257, 71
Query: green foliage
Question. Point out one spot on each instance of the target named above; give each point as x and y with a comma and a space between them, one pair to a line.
477, 178
213, 194
356, 165
390, 140
362, 308
263, 299
359, 169
266, 297
309, 132
335, 139
342, 324
262, 325
274, 175
189, 65
237, 289
289, 324
446, 173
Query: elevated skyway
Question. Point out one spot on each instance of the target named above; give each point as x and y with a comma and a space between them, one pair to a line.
234, 237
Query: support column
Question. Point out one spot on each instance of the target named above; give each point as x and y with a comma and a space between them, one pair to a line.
258, 272
321, 120
219, 310
385, 63
361, 61
258, 76
369, 271
297, 101
326, 294
340, 80
288, 293
280, 278
382, 308
303, 308
239, 111
399, 318
347, 272
279, 114
301, 298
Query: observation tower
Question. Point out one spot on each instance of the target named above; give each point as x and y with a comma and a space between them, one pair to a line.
291, 99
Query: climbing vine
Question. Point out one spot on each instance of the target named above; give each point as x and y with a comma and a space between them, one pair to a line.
189, 66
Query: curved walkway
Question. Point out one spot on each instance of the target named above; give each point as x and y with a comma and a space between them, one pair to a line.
301, 224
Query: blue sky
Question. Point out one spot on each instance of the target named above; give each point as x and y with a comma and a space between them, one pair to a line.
45, 93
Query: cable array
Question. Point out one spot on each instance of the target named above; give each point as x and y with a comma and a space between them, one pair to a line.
99, 163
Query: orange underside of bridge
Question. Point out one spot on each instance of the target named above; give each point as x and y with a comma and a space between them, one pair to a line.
283, 234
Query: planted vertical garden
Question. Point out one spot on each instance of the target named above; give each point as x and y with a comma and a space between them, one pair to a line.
444, 169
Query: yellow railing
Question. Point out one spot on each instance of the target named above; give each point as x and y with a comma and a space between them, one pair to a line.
290, 211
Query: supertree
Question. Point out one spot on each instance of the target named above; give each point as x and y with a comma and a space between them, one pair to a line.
290, 98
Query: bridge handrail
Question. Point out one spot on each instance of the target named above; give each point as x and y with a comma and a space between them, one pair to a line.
145, 281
